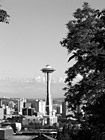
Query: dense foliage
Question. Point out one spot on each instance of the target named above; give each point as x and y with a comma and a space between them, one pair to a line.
4, 17
85, 43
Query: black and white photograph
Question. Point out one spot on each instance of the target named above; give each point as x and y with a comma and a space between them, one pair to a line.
52, 70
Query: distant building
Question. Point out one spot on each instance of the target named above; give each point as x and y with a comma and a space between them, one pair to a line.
21, 105
64, 109
1, 110
28, 111
35, 104
7, 110
25, 111
53, 119
42, 107
27, 105
39, 106
0, 103
58, 108
1, 113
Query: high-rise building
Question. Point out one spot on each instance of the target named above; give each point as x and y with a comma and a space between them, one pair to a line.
39, 106
42, 107
0, 103
1, 110
64, 109
1, 113
59, 109
28, 111
7, 110
21, 105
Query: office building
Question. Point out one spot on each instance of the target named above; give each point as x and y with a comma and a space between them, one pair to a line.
21, 105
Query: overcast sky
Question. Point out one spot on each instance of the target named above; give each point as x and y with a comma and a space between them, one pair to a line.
31, 39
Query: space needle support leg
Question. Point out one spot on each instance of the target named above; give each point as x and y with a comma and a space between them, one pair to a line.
48, 101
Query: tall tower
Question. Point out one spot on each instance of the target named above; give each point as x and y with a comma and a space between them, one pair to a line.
48, 70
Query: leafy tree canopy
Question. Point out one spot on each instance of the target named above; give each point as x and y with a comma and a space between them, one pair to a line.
85, 42
4, 17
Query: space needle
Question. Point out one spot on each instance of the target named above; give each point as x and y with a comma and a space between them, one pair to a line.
48, 108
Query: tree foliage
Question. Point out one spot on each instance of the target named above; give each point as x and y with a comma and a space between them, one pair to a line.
4, 17
85, 42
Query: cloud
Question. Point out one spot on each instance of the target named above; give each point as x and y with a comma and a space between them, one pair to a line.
31, 89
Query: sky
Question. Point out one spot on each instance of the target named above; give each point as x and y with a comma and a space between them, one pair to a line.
32, 38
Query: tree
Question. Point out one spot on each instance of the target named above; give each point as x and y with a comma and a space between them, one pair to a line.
85, 43
4, 17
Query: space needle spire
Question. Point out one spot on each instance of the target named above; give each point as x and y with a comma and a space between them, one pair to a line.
48, 70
